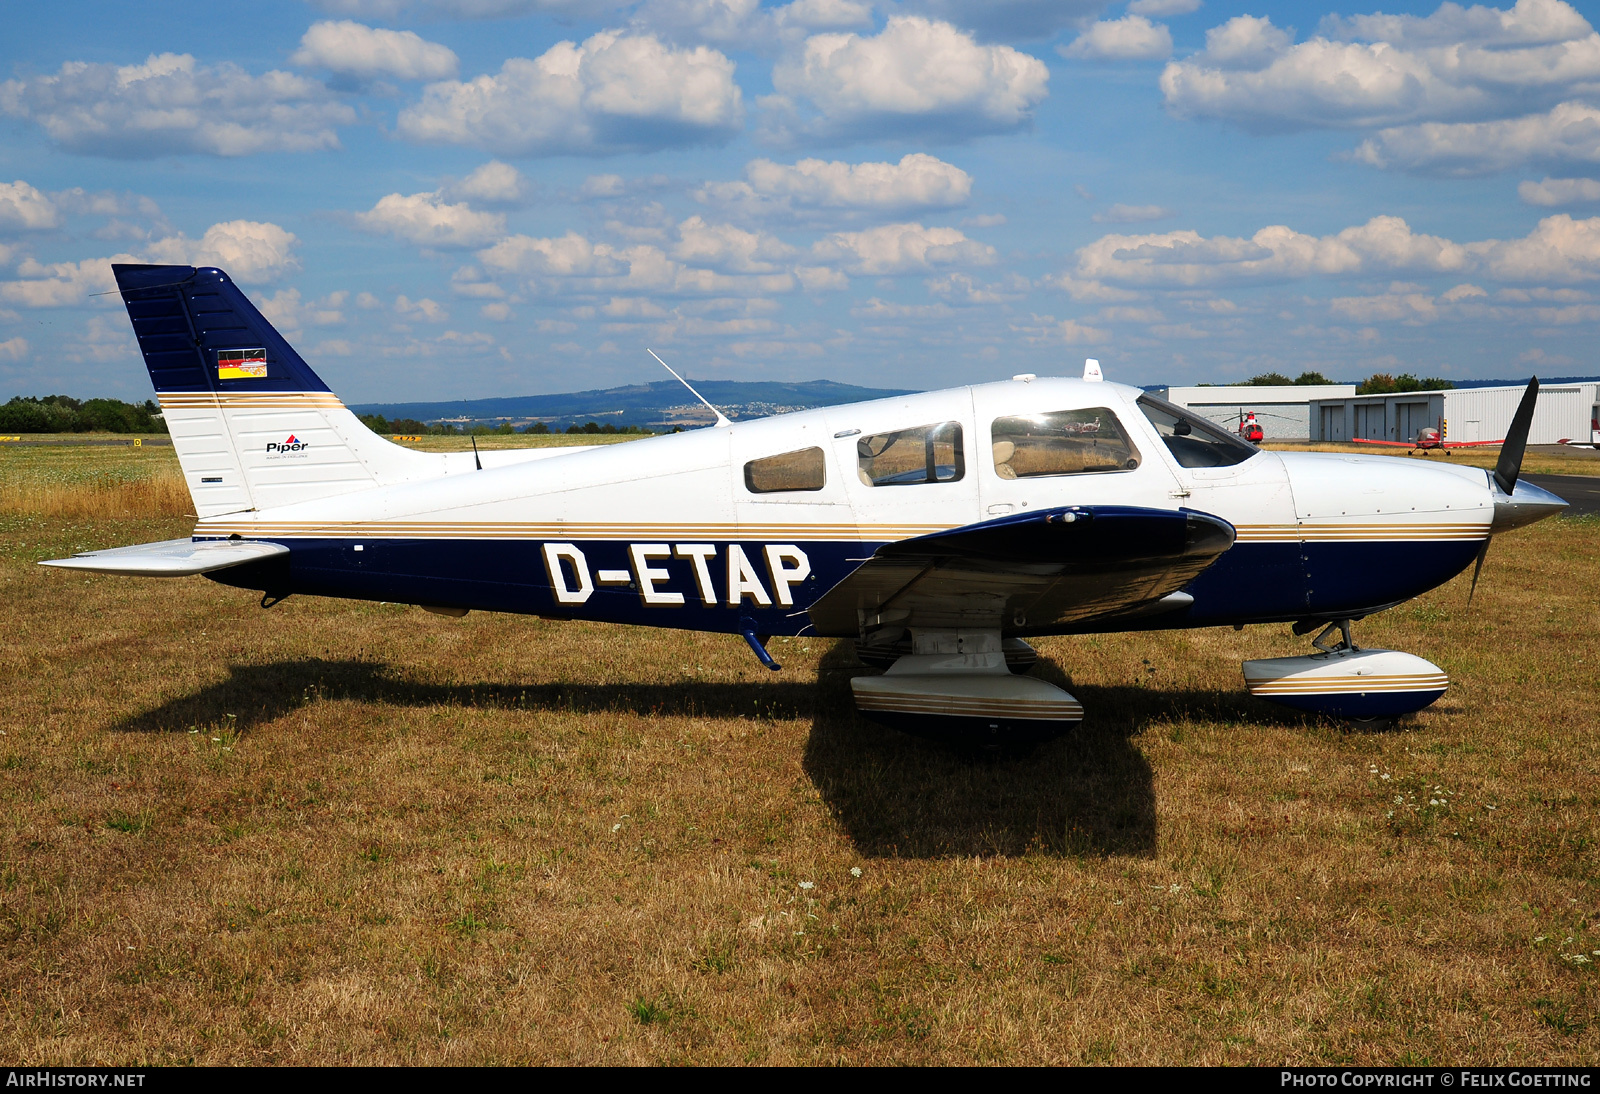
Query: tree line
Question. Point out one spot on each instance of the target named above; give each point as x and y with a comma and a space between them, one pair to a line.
1379, 383
407, 427
64, 414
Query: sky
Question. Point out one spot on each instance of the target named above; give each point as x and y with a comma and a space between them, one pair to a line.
439, 199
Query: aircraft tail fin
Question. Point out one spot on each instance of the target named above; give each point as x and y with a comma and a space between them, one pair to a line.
254, 427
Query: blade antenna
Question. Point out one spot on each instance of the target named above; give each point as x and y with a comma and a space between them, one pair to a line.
1510, 464
475, 460
722, 419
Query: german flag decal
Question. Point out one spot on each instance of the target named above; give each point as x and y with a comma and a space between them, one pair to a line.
241, 364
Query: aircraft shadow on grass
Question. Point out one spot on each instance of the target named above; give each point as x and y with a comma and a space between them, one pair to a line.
1088, 793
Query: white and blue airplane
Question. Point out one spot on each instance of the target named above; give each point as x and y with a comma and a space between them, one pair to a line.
937, 531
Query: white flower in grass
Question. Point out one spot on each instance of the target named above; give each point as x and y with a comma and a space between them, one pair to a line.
807, 885
855, 871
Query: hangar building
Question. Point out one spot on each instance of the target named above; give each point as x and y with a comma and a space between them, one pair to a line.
1283, 412
1565, 412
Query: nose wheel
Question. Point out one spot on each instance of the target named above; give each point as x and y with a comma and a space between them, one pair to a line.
1368, 687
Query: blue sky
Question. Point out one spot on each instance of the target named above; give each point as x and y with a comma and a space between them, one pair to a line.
465, 198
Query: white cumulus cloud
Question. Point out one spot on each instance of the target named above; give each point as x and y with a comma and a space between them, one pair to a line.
423, 310
1551, 192
1187, 259
573, 263
1457, 65
917, 181
22, 206
1558, 249
249, 251
1569, 133
288, 311
426, 219
615, 92
494, 183
170, 104
916, 76
354, 49
1131, 38
1529, 22
902, 248
725, 247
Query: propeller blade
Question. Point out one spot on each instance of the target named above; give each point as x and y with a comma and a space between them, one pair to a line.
1483, 553
1510, 465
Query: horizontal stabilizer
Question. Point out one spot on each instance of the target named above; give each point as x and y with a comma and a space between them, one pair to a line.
170, 558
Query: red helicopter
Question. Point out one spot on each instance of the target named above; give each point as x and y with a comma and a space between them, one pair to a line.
1250, 429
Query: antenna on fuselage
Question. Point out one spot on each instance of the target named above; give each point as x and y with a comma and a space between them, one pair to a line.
722, 419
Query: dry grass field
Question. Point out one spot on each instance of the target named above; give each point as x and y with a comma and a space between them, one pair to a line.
335, 832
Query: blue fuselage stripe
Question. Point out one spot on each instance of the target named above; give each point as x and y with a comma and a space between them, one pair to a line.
1249, 583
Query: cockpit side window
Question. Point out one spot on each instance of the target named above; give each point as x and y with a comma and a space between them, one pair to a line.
906, 457
804, 469
1192, 440
1063, 442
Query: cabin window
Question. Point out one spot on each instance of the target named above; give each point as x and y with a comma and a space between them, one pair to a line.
924, 453
1063, 442
803, 469
1192, 440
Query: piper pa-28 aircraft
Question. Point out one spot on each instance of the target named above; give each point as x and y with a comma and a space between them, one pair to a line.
938, 531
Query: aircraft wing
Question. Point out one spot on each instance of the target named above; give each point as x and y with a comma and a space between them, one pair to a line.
1027, 572
170, 558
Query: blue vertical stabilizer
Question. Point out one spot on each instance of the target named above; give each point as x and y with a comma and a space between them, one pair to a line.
198, 333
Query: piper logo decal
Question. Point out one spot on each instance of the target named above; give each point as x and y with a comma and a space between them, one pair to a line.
572, 582
292, 446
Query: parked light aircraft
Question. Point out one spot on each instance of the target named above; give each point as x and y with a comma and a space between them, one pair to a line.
938, 531
1429, 438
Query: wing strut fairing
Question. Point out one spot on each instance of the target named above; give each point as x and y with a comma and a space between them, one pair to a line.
1027, 573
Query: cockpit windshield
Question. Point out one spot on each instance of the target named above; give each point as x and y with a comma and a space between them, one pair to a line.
1192, 440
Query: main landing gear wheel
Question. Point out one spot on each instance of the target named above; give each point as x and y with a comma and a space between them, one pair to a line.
960, 688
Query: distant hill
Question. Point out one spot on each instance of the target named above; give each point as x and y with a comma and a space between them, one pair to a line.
664, 403
1546, 382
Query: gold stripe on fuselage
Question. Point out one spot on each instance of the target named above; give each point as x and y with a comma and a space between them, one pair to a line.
1365, 532
566, 530
877, 533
